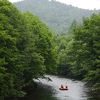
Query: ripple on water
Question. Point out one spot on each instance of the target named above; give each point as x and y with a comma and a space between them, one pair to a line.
76, 89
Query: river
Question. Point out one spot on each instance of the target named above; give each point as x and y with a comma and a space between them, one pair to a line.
50, 89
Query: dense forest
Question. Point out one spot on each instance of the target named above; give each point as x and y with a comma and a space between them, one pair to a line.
79, 53
56, 15
29, 49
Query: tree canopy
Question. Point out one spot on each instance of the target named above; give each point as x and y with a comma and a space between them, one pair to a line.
79, 55
26, 46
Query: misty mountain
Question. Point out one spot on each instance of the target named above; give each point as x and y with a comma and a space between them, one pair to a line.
57, 16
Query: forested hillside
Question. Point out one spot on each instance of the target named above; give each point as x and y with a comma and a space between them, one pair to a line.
56, 15
29, 49
79, 54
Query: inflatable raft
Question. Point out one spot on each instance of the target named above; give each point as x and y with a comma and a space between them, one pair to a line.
63, 88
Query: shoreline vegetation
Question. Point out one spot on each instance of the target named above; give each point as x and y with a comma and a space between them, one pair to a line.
29, 49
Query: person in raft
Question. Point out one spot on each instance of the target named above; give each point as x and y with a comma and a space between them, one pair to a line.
66, 87
62, 87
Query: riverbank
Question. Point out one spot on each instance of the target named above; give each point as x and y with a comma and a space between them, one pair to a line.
42, 92
49, 90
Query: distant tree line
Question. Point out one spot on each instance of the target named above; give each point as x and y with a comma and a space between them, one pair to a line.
79, 52
29, 49
56, 15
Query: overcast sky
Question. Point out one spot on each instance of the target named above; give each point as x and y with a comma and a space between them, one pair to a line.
15, 0
86, 4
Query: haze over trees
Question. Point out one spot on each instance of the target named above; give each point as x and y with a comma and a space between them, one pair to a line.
29, 49
56, 15
79, 54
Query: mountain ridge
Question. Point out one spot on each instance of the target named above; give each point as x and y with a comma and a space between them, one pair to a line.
58, 16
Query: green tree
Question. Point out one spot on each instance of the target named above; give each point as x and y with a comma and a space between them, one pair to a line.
44, 41
26, 50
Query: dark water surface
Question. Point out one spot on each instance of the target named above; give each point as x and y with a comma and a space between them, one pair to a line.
49, 90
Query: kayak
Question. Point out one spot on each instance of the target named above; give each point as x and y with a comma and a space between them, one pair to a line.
63, 89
